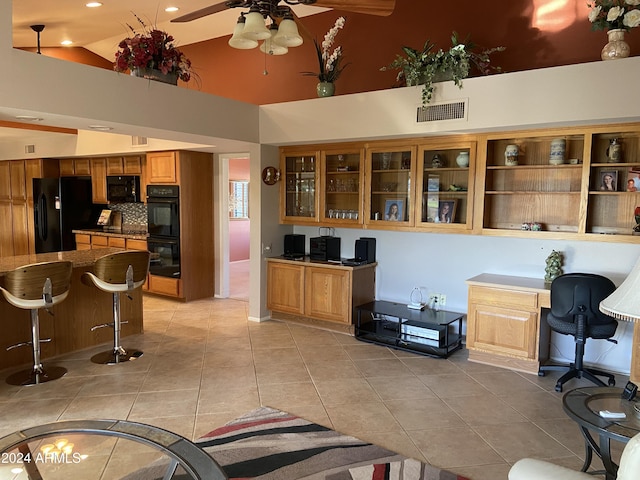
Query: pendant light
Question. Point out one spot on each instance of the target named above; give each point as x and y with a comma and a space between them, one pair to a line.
254, 27
288, 35
270, 46
238, 40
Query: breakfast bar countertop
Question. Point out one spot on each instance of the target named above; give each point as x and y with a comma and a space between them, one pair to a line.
79, 258
122, 233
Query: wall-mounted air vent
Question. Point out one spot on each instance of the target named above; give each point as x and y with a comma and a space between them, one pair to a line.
137, 141
443, 111
29, 149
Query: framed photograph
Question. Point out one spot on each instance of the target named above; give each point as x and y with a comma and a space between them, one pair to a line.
446, 211
609, 181
394, 210
633, 180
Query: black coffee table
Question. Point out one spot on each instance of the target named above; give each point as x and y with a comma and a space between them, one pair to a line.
583, 405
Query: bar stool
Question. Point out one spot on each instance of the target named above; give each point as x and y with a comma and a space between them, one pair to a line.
31, 287
118, 273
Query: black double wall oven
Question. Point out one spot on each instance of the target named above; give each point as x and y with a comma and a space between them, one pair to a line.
163, 211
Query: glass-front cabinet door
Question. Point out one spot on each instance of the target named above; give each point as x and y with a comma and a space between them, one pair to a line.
614, 183
445, 184
343, 180
299, 191
389, 197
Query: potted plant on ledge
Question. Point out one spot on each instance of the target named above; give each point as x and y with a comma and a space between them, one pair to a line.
427, 66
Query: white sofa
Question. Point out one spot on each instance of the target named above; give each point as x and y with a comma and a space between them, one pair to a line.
531, 469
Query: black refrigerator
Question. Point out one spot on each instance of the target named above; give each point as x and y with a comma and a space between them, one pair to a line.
61, 205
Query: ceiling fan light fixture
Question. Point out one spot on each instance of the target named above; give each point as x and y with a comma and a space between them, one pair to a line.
270, 46
238, 40
288, 35
254, 27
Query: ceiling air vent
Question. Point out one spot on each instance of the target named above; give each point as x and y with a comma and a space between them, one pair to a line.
443, 111
137, 141
29, 149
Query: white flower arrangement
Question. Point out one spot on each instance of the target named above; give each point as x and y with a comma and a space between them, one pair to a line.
614, 14
329, 61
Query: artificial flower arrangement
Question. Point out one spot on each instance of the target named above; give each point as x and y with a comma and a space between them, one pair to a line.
636, 215
614, 14
329, 61
426, 66
154, 49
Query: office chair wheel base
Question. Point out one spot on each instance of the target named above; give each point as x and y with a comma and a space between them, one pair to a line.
612, 382
112, 358
541, 373
29, 377
558, 388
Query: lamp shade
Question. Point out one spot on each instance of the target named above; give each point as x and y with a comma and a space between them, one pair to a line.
269, 46
624, 303
238, 40
254, 27
288, 35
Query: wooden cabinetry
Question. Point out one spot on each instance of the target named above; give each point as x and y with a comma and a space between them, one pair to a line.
163, 168
99, 180
299, 200
342, 186
16, 203
504, 324
318, 291
445, 179
130, 165
74, 167
389, 197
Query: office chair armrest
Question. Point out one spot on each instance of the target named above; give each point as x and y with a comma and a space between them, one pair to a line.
531, 469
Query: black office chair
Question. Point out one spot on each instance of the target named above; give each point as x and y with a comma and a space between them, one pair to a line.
575, 298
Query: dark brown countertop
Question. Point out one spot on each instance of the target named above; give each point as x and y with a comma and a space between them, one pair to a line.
79, 258
124, 233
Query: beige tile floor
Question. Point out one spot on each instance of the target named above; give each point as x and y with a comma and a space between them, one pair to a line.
204, 364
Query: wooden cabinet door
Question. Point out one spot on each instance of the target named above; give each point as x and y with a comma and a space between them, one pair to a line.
82, 166
18, 183
83, 241
505, 331
162, 167
132, 165
66, 167
5, 181
6, 229
19, 216
285, 287
99, 180
115, 166
133, 244
327, 294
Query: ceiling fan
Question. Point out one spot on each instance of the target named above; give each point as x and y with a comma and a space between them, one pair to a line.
370, 7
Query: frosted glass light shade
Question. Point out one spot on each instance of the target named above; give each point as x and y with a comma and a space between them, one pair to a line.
624, 302
269, 46
288, 35
237, 40
254, 27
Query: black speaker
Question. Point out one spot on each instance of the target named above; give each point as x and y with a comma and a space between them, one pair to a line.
366, 249
324, 248
294, 245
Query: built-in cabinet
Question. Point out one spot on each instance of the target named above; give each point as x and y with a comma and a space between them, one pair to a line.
318, 291
75, 167
162, 168
579, 183
16, 203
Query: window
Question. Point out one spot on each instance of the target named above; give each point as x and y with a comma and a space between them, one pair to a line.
238, 199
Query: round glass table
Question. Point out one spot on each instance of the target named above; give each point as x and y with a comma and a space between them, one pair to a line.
583, 405
105, 450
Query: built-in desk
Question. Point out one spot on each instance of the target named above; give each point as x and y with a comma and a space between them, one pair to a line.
69, 327
505, 325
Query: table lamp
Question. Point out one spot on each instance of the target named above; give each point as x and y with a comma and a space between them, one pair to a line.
624, 302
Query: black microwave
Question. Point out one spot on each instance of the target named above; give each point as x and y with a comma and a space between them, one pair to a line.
123, 189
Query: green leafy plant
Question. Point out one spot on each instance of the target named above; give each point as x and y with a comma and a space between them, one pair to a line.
428, 66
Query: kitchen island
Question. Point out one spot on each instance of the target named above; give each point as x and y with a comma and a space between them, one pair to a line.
70, 326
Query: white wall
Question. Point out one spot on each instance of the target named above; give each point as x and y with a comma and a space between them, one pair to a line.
441, 264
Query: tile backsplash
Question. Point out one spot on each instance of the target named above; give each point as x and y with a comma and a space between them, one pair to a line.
134, 215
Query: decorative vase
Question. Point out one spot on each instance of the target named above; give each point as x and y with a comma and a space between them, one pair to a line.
325, 89
616, 47
556, 154
463, 159
511, 155
157, 75
614, 151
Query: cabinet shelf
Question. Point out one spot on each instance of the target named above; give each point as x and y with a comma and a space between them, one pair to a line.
394, 193
529, 192
446, 169
535, 167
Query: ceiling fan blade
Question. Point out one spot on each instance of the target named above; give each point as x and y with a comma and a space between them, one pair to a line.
203, 12
382, 8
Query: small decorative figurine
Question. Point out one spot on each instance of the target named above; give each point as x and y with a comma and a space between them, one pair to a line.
554, 266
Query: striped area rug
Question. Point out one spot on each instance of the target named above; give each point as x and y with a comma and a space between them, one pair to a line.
269, 444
